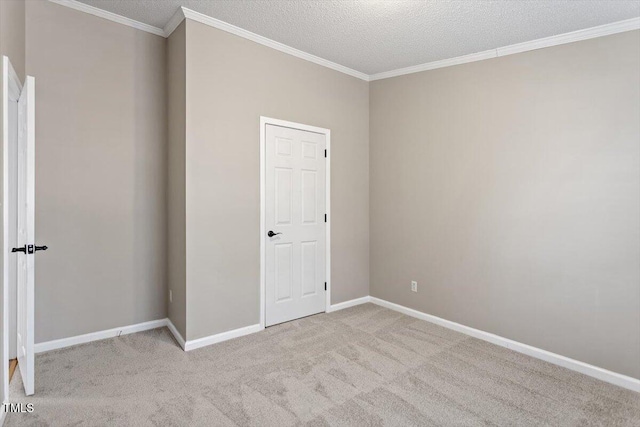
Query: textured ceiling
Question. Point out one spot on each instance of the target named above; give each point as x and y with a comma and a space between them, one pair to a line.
374, 36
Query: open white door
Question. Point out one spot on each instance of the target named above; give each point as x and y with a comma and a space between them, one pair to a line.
11, 89
26, 234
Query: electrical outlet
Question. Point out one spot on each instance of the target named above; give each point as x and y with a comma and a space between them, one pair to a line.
414, 286
170, 295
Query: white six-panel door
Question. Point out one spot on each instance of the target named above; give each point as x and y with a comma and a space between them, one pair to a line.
26, 234
295, 209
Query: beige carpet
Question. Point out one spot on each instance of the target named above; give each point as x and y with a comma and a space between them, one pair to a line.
362, 366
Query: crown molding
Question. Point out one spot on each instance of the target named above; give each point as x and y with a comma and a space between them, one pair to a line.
224, 26
183, 13
82, 7
174, 22
487, 54
574, 36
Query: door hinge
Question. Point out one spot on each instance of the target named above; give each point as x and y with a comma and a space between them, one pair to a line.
325, 286
325, 217
325, 154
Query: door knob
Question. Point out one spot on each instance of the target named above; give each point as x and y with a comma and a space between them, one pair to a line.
271, 233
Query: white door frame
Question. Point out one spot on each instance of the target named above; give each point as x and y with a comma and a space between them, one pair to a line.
264, 121
10, 93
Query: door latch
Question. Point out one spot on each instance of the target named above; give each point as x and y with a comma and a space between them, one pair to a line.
30, 249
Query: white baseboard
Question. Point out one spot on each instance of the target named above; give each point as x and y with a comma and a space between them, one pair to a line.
100, 335
223, 336
350, 303
566, 362
175, 333
110, 333
235, 333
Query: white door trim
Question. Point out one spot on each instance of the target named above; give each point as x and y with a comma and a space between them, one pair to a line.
10, 93
264, 121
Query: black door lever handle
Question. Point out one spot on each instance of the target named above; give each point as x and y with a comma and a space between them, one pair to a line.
30, 249
271, 233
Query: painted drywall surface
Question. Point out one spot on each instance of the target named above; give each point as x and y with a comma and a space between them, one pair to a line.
231, 83
510, 190
176, 105
12, 33
100, 171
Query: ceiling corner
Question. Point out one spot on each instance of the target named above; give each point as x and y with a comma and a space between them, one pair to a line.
175, 21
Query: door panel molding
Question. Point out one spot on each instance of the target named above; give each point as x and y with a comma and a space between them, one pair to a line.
309, 151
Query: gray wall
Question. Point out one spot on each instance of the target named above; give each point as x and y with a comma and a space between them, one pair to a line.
176, 250
510, 190
12, 33
231, 82
100, 171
